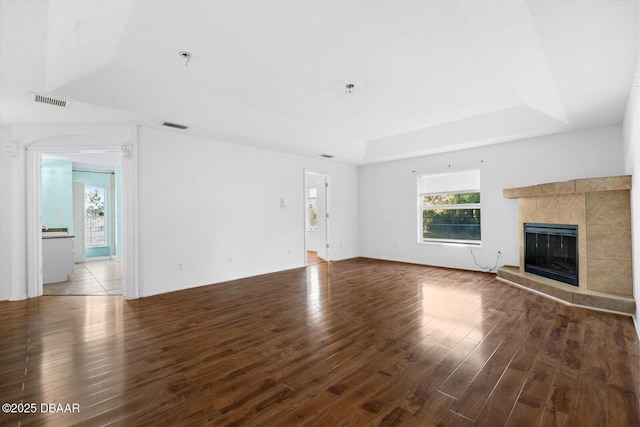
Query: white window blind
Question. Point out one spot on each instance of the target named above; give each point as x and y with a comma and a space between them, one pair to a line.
450, 182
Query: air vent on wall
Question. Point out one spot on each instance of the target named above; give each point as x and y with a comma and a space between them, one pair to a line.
36, 97
174, 125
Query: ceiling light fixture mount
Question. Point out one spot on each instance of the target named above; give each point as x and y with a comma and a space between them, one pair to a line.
350, 86
185, 55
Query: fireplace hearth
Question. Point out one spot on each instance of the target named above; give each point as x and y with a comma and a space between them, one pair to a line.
551, 250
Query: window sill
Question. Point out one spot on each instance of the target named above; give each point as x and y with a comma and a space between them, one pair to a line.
455, 244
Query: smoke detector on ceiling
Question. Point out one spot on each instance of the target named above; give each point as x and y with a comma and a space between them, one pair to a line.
351, 86
44, 99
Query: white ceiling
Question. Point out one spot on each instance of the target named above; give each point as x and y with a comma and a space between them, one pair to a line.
430, 76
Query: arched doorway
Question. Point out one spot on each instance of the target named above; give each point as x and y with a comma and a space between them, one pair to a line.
80, 144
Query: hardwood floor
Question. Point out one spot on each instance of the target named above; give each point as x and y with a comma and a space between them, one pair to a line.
356, 342
313, 258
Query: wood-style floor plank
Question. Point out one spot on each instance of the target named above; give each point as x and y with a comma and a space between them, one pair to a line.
354, 342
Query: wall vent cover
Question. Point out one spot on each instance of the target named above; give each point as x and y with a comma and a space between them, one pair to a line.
174, 125
36, 97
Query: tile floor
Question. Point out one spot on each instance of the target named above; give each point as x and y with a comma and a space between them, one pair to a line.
103, 277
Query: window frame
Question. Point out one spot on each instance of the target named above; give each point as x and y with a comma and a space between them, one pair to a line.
104, 216
421, 207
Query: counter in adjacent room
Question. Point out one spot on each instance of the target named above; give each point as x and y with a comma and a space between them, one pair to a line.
57, 256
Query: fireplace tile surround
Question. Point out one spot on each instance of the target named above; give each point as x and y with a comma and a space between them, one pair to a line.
600, 207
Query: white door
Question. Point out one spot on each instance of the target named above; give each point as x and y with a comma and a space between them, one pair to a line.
79, 250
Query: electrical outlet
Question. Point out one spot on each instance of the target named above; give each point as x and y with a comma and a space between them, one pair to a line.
179, 266
229, 260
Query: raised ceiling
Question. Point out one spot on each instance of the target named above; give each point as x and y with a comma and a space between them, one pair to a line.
431, 76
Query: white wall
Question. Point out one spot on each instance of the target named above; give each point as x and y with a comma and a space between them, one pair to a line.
215, 208
10, 268
631, 132
388, 203
200, 202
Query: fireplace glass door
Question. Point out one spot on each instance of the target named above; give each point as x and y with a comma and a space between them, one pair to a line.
551, 250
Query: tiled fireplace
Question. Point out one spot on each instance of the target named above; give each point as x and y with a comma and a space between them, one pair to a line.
597, 212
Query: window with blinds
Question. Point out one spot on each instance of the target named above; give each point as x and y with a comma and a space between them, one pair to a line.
449, 207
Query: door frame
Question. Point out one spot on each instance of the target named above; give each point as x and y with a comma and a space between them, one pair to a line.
78, 207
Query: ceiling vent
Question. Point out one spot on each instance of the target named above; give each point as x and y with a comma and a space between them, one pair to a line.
174, 125
36, 97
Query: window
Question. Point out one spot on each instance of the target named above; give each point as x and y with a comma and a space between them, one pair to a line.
312, 209
449, 207
94, 206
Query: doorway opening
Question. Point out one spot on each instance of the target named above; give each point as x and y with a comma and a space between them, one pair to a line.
81, 202
317, 217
